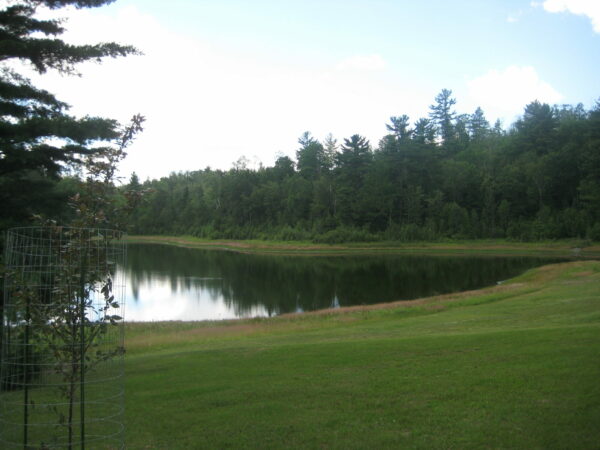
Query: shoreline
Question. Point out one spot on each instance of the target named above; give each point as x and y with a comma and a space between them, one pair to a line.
572, 249
522, 354
522, 284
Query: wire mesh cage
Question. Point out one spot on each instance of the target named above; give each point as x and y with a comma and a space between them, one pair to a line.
62, 366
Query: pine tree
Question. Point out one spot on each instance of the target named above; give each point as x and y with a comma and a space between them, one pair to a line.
330, 148
424, 132
400, 127
443, 114
352, 166
478, 124
310, 156
39, 140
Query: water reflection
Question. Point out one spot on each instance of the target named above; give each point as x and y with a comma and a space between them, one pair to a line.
171, 283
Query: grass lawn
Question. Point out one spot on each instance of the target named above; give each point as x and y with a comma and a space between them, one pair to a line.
513, 366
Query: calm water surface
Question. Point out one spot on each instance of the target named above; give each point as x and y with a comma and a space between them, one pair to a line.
172, 283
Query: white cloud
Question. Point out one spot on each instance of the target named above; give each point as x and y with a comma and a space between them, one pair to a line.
589, 8
208, 107
504, 94
165, 85
515, 17
372, 62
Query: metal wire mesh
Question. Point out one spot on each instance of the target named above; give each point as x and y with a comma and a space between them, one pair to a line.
62, 366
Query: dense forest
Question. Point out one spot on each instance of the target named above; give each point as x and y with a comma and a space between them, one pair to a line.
446, 176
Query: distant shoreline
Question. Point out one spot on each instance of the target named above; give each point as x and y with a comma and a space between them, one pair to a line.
569, 248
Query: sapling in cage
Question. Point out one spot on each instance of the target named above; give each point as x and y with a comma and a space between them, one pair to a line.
62, 333
62, 338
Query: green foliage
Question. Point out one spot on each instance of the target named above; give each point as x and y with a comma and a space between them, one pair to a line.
57, 304
345, 234
288, 234
539, 181
443, 114
411, 232
593, 232
39, 140
40, 143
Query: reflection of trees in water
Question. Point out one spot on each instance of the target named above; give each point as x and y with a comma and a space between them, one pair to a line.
282, 284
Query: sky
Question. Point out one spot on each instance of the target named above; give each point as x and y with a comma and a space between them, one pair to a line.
224, 79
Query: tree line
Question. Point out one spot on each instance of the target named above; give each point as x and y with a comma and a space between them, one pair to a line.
448, 175
445, 175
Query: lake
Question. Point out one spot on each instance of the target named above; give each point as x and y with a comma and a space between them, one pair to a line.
172, 283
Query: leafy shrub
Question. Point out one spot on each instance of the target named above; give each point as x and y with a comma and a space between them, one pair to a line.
593, 232
288, 233
345, 234
410, 232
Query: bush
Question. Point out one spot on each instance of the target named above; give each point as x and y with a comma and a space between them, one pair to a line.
519, 230
345, 234
288, 233
593, 232
410, 232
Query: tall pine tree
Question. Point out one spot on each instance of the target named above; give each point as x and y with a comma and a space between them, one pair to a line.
443, 114
38, 138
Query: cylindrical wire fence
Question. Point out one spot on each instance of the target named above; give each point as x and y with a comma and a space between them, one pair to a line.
62, 366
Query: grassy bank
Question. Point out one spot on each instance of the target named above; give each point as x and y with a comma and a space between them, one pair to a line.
515, 365
566, 248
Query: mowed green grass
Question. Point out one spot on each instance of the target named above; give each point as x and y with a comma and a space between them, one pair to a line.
513, 366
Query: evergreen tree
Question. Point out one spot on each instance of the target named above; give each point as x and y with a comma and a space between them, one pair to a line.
498, 130
352, 167
485, 183
39, 140
400, 127
460, 129
443, 114
134, 182
284, 168
478, 125
589, 186
537, 128
424, 132
310, 157
330, 150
